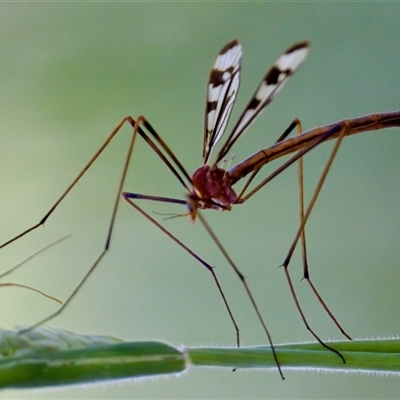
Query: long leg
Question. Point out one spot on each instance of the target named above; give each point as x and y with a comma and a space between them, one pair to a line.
93, 159
136, 130
341, 128
72, 184
299, 233
128, 196
306, 274
301, 208
115, 208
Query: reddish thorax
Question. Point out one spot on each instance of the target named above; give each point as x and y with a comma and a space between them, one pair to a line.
211, 189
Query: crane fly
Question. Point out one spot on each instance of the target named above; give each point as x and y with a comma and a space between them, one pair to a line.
211, 186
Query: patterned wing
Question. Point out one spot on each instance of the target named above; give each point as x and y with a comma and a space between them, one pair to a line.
222, 88
269, 87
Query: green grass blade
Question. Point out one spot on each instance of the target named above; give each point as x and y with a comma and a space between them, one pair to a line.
45, 357
381, 355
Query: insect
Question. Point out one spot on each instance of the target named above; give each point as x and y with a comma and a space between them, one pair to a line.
211, 186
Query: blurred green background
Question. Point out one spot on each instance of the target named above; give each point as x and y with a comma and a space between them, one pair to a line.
71, 72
